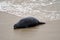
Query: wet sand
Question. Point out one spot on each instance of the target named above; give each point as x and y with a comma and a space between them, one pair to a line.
49, 31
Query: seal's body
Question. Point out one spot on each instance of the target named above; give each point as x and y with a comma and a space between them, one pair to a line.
27, 22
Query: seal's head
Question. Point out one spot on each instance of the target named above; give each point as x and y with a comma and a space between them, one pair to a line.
18, 26
15, 26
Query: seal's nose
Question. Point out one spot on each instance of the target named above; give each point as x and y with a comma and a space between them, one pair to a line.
15, 26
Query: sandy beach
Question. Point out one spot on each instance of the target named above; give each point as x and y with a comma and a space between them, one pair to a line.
49, 31
11, 11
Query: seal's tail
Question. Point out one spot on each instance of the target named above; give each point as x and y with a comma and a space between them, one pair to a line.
40, 23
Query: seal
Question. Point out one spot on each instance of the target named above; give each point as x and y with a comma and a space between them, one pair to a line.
27, 23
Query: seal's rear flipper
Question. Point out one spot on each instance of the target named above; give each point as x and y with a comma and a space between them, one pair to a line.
40, 23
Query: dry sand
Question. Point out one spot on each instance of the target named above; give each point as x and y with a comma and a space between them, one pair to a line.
49, 31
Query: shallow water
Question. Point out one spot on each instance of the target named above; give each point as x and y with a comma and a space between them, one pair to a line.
43, 9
